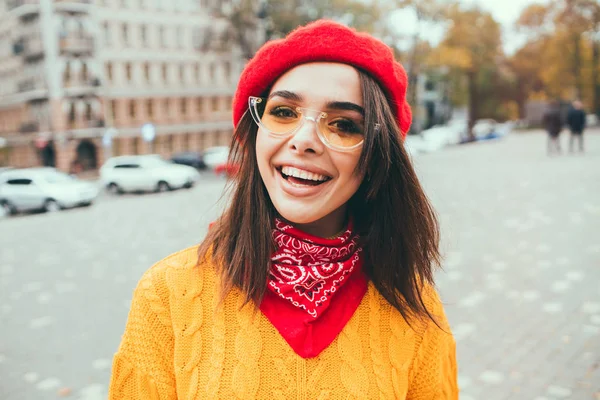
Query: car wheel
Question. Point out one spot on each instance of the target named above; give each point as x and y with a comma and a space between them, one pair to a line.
6, 209
114, 189
163, 187
51, 206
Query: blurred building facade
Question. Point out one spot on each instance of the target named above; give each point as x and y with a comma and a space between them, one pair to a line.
72, 69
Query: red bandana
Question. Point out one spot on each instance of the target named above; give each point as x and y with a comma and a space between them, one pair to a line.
315, 286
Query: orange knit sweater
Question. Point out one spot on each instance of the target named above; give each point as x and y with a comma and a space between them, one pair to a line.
179, 343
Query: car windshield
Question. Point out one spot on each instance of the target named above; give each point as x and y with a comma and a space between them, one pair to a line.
57, 177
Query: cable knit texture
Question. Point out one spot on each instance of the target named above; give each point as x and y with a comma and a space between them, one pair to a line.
181, 343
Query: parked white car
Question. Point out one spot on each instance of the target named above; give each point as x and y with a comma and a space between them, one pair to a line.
145, 173
214, 156
42, 189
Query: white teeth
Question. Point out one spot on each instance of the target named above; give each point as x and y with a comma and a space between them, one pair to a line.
302, 174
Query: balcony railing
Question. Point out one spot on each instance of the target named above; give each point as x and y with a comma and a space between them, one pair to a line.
96, 123
76, 6
29, 127
32, 83
10, 4
81, 83
76, 43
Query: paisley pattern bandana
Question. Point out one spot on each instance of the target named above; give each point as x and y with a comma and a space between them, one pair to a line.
307, 271
315, 285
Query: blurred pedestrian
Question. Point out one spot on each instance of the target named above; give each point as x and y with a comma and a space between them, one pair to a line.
553, 123
317, 280
576, 121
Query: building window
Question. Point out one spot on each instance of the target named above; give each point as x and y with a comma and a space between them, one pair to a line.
197, 73
84, 72
144, 35
182, 73
125, 34
109, 72
179, 38
227, 70
165, 74
199, 107
128, 71
211, 72
167, 107
132, 110
72, 114
150, 108
106, 28
162, 37
229, 103
67, 74
215, 104
88, 112
113, 109
147, 72
183, 106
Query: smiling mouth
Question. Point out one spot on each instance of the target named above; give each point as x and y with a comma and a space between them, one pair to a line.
299, 177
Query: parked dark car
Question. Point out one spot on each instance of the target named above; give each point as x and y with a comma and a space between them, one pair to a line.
189, 158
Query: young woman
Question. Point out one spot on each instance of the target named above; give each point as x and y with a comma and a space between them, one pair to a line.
317, 281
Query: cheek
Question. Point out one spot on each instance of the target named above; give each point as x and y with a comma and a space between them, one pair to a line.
262, 148
346, 165
348, 175
265, 150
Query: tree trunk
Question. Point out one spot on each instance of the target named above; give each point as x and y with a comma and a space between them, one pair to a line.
577, 64
521, 99
413, 79
595, 77
473, 100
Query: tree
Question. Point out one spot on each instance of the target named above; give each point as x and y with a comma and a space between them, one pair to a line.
526, 68
286, 15
235, 24
569, 32
471, 44
424, 11
247, 24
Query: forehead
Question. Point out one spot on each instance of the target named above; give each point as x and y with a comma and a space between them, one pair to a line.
322, 81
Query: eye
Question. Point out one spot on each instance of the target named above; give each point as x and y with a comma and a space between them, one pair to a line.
283, 112
343, 125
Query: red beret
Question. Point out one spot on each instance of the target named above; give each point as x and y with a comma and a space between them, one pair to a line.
327, 41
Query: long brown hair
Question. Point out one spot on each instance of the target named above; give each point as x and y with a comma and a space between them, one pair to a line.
397, 225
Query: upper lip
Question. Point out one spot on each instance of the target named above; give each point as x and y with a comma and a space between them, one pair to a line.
311, 168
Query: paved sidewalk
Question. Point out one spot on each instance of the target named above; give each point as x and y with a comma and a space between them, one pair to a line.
521, 278
522, 269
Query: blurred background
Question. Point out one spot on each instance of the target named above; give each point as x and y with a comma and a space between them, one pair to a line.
115, 123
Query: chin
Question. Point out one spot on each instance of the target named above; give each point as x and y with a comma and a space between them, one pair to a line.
298, 216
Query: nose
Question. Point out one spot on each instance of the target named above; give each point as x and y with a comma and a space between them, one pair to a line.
306, 139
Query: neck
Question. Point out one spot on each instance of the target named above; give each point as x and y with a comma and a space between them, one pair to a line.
328, 226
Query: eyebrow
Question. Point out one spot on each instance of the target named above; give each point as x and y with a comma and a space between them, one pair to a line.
332, 105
